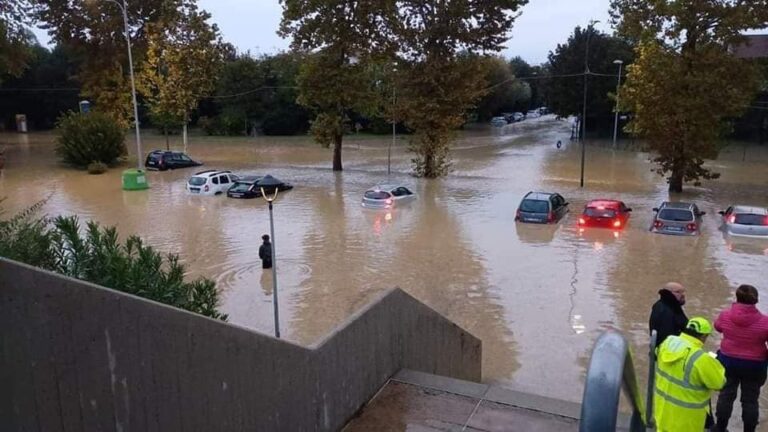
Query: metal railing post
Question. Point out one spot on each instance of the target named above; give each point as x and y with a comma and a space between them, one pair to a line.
651, 380
610, 370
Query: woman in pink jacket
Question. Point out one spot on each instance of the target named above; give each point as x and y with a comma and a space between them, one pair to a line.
744, 354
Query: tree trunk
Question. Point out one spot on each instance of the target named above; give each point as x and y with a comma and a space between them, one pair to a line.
429, 165
676, 181
184, 135
337, 152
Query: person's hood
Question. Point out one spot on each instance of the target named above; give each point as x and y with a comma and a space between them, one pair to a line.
744, 315
668, 298
676, 348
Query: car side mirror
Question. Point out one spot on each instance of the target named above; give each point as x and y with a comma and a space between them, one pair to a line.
628, 210
656, 209
566, 204
721, 212
702, 213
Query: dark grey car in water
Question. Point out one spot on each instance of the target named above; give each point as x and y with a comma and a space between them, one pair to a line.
541, 207
677, 218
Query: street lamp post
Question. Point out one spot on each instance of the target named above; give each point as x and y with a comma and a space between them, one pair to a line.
616, 119
124, 9
394, 123
270, 181
590, 29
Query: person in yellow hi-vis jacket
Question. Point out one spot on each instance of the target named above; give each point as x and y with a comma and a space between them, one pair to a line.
686, 376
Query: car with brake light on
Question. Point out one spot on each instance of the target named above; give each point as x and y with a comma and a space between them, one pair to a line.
250, 186
677, 218
604, 213
210, 182
541, 207
745, 221
161, 160
386, 196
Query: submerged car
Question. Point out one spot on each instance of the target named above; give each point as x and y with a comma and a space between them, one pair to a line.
677, 218
605, 213
164, 160
498, 122
541, 207
210, 182
386, 196
745, 221
251, 186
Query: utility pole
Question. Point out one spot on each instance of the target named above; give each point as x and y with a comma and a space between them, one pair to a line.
590, 30
616, 118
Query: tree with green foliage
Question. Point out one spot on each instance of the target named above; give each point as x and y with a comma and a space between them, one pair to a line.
16, 40
505, 93
86, 138
685, 82
262, 92
343, 36
182, 62
96, 254
438, 46
52, 70
94, 30
566, 90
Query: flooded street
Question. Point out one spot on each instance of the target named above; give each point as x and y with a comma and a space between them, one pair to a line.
537, 296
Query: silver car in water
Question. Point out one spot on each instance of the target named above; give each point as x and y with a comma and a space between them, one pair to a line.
745, 221
386, 196
677, 218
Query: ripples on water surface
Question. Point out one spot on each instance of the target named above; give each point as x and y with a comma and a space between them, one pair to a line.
538, 296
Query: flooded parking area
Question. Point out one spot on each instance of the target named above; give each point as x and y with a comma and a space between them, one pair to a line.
538, 296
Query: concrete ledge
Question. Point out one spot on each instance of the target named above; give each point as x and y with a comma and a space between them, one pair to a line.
80, 357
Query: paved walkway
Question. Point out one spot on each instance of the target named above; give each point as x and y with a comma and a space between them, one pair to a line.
417, 402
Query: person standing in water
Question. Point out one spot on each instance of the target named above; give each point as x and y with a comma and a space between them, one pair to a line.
265, 252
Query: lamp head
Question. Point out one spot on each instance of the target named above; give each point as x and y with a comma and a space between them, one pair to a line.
618, 62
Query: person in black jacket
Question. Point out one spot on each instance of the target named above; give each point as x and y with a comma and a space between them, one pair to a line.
667, 315
265, 252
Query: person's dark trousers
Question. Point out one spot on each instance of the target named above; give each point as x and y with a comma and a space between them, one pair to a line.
750, 378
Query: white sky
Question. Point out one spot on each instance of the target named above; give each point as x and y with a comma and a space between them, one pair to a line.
251, 24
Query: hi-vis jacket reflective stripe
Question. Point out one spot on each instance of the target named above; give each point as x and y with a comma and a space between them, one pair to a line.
685, 379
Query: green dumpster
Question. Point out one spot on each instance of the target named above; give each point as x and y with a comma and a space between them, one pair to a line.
135, 179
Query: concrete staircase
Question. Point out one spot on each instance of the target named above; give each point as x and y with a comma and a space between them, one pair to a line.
419, 402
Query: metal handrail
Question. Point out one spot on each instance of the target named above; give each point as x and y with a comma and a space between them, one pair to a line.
651, 380
610, 370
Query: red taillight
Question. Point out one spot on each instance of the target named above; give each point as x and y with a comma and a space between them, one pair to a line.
582, 221
550, 217
517, 215
206, 188
388, 201
658, 224
617, 223
691, 227
732, 219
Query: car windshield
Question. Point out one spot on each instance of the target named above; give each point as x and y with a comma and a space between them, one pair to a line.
377, 195
751, 219
676, 215
197, 181
155, 157
534, 206
241, 187
599, 213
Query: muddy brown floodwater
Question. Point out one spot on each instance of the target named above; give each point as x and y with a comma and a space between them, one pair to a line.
538, 296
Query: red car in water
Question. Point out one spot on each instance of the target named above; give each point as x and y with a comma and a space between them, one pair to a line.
605, 213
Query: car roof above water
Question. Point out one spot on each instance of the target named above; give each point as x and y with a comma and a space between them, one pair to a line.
540, 196
750, 209
211, 173
677, 205
605, 203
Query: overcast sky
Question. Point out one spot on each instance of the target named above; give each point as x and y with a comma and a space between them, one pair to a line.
251, 24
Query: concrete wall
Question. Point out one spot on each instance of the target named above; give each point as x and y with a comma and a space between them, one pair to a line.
78, 357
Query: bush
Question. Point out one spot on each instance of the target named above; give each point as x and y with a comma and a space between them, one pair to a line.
97, 168
91, 137
223, 124
96, 255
